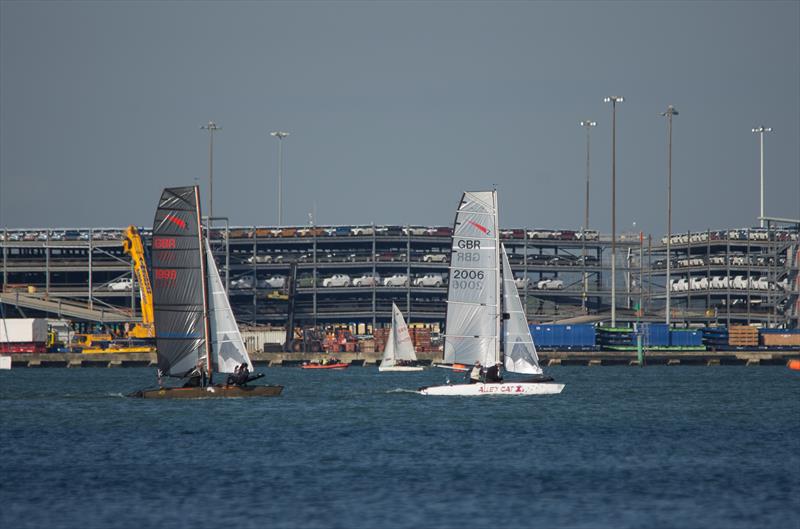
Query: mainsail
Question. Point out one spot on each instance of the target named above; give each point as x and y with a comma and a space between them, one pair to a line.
227, 346
473, 324
399, 346
179, 282
519, 351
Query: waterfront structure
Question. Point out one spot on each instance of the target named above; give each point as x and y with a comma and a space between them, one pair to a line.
353, 274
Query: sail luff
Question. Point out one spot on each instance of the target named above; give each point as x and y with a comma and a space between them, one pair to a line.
498, 309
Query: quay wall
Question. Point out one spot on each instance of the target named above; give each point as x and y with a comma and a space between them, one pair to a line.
547, 358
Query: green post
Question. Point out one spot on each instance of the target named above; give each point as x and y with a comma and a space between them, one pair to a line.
639, 350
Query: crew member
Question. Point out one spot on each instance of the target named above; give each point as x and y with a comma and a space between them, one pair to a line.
475, 373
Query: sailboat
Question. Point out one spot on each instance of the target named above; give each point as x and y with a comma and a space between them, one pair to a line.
195, 328
485, 320
398, 347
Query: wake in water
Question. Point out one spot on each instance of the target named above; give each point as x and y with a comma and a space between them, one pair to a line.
401, 390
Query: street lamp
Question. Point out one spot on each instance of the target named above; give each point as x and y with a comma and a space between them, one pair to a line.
280, 135
760, 131
669, 113
211, 128
587, 124
613, 100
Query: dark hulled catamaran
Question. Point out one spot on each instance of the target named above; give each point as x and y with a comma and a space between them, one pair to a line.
196, 334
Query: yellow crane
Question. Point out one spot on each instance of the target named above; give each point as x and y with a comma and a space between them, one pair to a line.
132, 245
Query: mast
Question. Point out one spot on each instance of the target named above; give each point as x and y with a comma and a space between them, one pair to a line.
499, 312
204, 281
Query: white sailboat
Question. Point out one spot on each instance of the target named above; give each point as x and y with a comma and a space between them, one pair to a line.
475, 302
399, 346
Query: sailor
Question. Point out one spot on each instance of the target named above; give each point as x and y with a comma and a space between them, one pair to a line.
244, 375
475, 373
233, 377
493, 374
197, 377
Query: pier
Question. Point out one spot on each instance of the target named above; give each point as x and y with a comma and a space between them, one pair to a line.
547, 358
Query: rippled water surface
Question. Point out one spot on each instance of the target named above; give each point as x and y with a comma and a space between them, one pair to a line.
620, 447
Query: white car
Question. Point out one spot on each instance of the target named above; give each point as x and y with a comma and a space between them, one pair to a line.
550, 284
337, 280
416, 231
429, 280
522, 282
259, 259
367, 280
272, 282
242, 282
126, 283
362, 230
396, 280
434, 258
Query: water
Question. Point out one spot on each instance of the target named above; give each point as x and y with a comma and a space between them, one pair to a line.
620, 447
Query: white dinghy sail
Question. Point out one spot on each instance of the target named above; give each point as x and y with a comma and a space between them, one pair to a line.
399, 346
227, 346
519, 353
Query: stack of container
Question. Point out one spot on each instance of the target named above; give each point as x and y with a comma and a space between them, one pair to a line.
742, 336
656, 335
611, 338
421, 338
780, 338
564, 337
686, 339
381, 336
715, 337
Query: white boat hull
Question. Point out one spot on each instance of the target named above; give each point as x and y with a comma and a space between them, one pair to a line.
495, 388
400, 368
5, 362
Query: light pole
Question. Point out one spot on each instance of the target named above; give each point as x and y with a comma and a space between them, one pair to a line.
760, 131
669, 113
587, 124
280, 135
211, 128
613, 100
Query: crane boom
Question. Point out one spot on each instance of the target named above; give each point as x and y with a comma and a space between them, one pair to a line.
132, 245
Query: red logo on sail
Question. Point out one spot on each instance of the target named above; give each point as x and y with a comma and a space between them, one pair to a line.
484, 229
176, 221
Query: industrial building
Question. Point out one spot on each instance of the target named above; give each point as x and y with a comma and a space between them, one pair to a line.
352, 274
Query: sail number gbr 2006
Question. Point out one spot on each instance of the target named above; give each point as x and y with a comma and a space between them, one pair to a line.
467, 254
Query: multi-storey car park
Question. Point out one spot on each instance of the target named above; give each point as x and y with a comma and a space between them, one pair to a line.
352, 274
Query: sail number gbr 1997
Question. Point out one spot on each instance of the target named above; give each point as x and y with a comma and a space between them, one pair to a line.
467, 253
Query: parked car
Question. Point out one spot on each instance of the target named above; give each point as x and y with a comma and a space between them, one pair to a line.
522, 282
429, 280
414, 231
242, 282
272, 282
434, 258
362, 230
550, 284
396, 280
367, 280
337, 280
125, 283
259, 259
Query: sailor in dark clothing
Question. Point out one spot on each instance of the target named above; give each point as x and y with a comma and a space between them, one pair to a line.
197, 377
493, 374
244, 375
233, 377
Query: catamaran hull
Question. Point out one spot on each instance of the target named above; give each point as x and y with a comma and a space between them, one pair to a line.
501, 388
214, 392
400, 368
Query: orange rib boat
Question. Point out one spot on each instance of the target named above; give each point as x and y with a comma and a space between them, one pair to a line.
793, 364
315, 365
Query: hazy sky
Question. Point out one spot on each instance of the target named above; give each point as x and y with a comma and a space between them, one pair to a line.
395, 108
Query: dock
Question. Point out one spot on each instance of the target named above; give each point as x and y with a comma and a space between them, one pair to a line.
547, 358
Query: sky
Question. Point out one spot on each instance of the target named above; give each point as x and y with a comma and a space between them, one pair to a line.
395, 108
